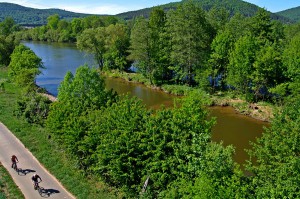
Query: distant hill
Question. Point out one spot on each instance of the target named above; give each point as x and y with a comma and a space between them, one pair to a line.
31, 16
233, 6
34, 17
293, 14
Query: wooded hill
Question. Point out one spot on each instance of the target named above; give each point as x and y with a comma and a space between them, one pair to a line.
31, 16
293, 14
234, 6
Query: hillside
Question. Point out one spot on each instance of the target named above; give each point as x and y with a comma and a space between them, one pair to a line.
293, 14
233, 6
30, 16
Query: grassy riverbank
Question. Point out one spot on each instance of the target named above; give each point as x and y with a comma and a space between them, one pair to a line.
261, 111
35, 138
8, 189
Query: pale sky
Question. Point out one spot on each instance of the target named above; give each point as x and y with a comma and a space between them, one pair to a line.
119, 6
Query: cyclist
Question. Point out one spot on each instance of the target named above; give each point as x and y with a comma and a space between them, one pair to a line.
35, 180
14, 161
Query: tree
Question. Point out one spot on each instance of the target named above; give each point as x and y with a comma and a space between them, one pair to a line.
159, 46
275, 161
7, 46
291, 62
117, 44
94, 41
132, 143
240, 68
25, 65
92, 22
140, 49
218, 18
77, 26
77, 96
268, 70
8, 26
53, 21
190, 35
148, 46
219, 58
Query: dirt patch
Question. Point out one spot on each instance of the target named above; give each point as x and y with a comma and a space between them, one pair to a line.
50, 97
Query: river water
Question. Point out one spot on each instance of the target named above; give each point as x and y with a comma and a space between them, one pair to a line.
58, 58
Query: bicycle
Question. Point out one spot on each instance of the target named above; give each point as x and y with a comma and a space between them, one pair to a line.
40, 189
15, 167
37, 187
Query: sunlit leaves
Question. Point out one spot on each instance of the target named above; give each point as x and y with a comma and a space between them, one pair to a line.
24, 66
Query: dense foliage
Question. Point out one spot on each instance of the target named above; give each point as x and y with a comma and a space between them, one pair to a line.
123, 144
33, 107
276, 167
109, 45
62, 30
7, 40
24, 66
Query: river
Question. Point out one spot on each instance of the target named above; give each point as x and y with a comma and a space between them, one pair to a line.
58, 58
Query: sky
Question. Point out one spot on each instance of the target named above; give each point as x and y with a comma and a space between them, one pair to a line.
119, 6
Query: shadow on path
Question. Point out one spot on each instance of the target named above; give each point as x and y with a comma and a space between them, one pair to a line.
46, 193
23, 172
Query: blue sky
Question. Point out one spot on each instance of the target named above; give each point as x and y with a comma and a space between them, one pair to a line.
119, 6
275, 5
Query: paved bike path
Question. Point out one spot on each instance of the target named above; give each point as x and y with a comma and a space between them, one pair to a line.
10, 145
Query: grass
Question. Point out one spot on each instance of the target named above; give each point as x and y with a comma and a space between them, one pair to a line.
47, 151
8, 189
132, 77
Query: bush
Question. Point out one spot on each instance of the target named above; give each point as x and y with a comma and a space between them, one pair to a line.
33, 107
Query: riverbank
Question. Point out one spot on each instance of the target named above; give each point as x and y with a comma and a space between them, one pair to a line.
261, 111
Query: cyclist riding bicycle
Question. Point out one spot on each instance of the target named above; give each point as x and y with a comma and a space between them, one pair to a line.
14, 161
35, 180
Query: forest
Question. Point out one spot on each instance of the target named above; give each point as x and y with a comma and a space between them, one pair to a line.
33, 17
123, 144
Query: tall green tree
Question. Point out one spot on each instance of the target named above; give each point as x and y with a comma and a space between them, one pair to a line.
25, 65
191, 36
140, 49
240, 68
117, 45
218, 18
291, 62
159, 45
261, 26
148, 46
78, 94
77, 26
94, 41
92, 22
7, 46
8, 26
53, 21
219, 59
268, 70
